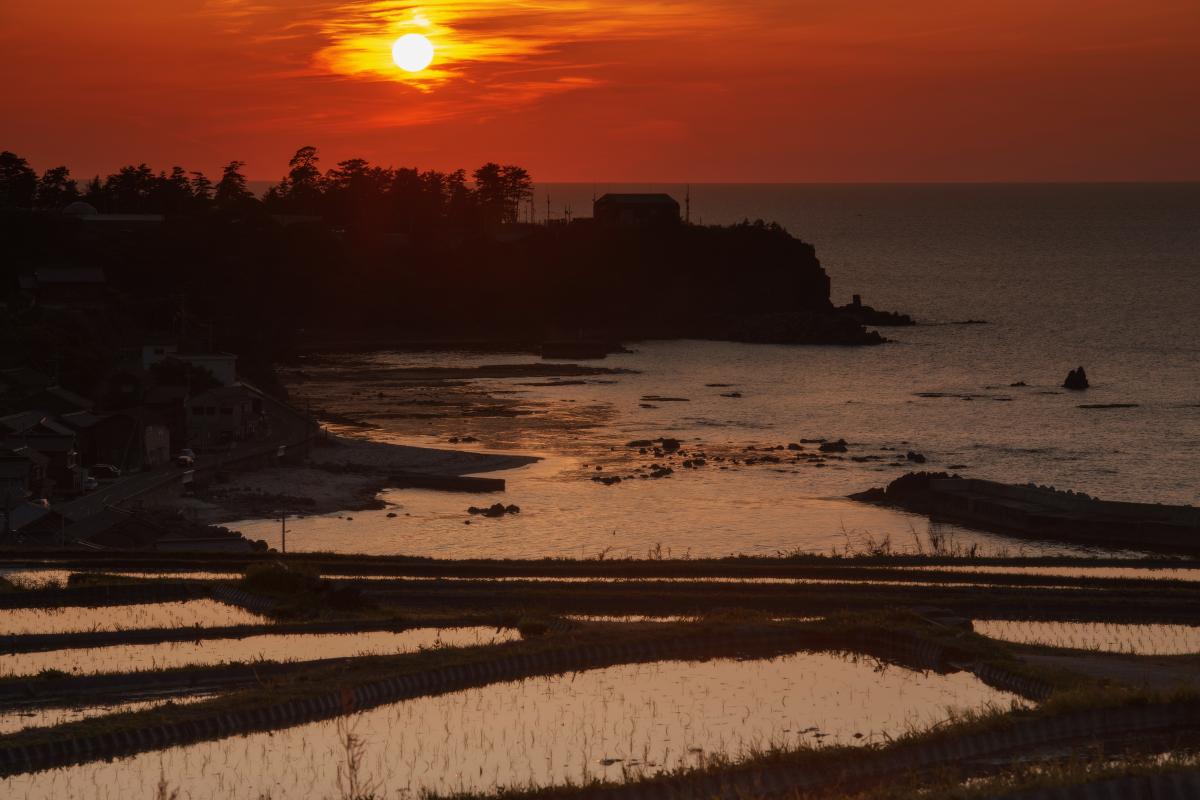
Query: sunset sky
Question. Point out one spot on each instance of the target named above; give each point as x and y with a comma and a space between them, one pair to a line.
614, 90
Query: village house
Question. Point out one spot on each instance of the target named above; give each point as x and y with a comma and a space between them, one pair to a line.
224, 415
56, 441
22, 472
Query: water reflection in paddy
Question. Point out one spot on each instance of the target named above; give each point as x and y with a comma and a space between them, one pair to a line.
182, 614
300, 647
13, 721
1144, 640
609, 723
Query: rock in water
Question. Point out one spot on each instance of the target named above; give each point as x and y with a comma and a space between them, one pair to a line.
1076, 379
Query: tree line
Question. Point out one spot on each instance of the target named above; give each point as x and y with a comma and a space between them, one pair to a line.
353, 192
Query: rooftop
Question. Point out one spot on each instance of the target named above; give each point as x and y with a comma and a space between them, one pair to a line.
69, 275
648, 199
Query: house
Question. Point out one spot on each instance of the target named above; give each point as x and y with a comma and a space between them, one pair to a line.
69, 287
57, 400
220, 416
96, 223
127, 439
155, 351
23, 381
43, 433
22, 472
636, 210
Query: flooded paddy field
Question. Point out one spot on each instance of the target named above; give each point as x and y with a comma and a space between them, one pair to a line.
627, 706
182, 614
614, 723
293, 647
1109, 637
14, 720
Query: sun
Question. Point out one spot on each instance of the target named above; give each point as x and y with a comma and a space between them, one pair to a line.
412, 52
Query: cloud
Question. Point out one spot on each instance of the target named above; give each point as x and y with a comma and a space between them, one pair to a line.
491, 57
476, 41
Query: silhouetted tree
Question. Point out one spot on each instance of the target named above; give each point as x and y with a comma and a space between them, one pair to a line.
56, 189
94, 194
202, 189
231, 193
173, 193
356, 192
18, 183
130, 190
300, 190
501, 190
460, 200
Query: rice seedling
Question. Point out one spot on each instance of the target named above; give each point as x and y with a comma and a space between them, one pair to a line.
1109, 637
265, 647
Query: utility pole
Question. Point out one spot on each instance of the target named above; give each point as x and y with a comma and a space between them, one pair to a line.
547, 208
283, 531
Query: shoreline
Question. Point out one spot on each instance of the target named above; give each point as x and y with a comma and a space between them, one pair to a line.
343, 474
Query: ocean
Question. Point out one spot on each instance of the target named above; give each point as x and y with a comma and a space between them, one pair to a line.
1051, 277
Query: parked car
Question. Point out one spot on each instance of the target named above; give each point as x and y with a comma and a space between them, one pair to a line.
90, 484
185, 457
104, 472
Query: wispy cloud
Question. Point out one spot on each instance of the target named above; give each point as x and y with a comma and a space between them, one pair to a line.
489, 56
354, 38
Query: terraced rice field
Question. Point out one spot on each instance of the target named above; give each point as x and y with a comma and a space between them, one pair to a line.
183, 614
1109, 637
209, 652
12, 721
616, 723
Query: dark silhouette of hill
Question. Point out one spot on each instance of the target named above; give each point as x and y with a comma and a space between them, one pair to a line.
402, 253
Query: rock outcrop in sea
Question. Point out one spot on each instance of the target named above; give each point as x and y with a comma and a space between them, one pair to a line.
1076, 380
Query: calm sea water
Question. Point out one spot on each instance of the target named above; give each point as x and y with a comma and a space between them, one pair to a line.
1104, 276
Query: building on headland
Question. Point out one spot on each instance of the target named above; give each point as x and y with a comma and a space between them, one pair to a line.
67, 287
94, 222
636, 210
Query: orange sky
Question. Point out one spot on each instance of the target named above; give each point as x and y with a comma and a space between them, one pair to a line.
615, 90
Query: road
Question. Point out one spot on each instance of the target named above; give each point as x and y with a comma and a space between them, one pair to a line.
288, 427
